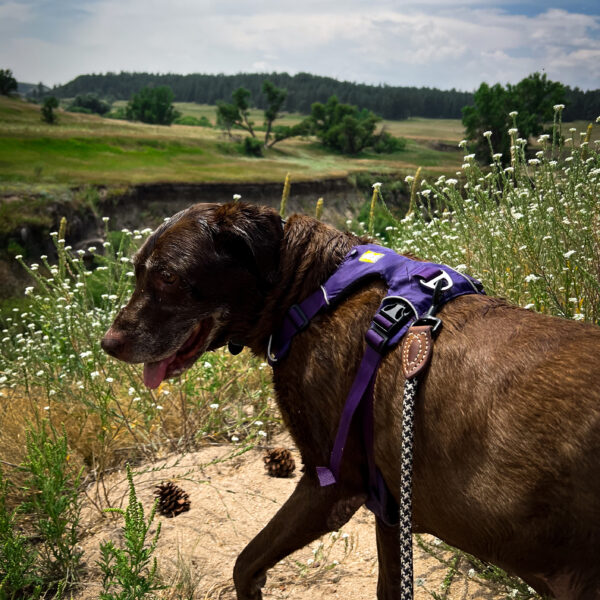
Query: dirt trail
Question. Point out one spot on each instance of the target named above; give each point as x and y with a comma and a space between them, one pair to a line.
230, 502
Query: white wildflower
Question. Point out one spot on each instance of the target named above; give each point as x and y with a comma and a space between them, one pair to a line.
558, 107
512, 114
237, 197
376, 185
531, 277
214, 405
487, 134
569, 254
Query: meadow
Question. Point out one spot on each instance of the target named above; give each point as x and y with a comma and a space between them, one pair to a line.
87, 149
70, 416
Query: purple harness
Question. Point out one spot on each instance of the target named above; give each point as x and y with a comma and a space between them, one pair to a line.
415, 291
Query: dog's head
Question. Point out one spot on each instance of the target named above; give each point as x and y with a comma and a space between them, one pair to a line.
201, 280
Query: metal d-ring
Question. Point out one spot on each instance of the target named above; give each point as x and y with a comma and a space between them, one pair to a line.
272, 358
432, 283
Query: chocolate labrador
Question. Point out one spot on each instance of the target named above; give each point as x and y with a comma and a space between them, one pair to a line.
507, 423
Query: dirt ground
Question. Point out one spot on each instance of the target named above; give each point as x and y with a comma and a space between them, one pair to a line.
230, 502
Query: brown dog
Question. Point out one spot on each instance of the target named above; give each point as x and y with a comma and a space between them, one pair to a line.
507, 433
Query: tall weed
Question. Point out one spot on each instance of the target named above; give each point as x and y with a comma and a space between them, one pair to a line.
530, 232
53, 501
129, 573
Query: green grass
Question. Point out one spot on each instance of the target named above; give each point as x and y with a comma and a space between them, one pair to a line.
88, 149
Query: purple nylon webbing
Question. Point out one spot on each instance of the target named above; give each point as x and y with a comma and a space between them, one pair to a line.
405, 279
366, 373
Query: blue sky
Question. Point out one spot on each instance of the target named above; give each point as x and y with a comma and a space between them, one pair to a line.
427, 42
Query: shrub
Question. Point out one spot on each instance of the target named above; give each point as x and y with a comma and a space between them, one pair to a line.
89, 103
193, 121
53, 501
48, 107
8, 84
386, 143
18, 577
252, 147
346, 128
119, 113
152, 105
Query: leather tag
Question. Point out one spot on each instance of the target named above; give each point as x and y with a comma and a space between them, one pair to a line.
416, 350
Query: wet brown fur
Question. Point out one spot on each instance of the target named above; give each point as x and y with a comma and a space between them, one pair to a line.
507, 434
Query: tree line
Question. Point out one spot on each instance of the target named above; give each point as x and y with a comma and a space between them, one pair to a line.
303, 89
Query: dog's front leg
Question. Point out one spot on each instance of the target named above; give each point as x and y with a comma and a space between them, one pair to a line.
309, 512
388, 556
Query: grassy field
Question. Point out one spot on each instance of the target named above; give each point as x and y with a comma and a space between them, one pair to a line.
87, 149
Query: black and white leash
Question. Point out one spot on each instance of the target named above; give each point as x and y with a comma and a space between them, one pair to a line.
405, 523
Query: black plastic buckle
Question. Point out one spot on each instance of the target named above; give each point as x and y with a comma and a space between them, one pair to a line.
388, 320
298, 317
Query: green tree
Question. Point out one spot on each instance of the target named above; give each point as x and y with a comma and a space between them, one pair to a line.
48, 116
343, 127
8, 84
236, 113
532, 99
275, 98
152, 105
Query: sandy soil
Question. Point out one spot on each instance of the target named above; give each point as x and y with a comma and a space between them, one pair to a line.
230, 502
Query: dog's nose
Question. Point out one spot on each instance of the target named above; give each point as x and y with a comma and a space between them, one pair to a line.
113, 343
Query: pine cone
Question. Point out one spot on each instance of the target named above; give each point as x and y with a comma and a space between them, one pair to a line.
279, 462
172, 500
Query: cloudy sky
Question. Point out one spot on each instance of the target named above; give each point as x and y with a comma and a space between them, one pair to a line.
428, 42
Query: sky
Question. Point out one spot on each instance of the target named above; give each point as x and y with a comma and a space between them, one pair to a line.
434, 43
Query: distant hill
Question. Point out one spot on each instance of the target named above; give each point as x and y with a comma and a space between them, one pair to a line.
303, 89
391, 102
28, 89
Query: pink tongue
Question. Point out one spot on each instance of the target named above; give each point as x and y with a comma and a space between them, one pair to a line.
155, 372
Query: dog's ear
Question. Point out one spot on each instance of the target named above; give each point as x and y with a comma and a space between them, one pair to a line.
252, 236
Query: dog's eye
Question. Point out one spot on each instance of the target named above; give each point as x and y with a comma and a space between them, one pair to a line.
168, 277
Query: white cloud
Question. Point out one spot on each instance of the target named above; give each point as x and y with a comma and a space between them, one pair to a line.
433, 42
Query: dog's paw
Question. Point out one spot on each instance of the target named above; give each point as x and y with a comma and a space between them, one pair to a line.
248, 587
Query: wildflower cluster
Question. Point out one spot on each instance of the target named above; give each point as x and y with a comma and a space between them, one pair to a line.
51, 355
529, 231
